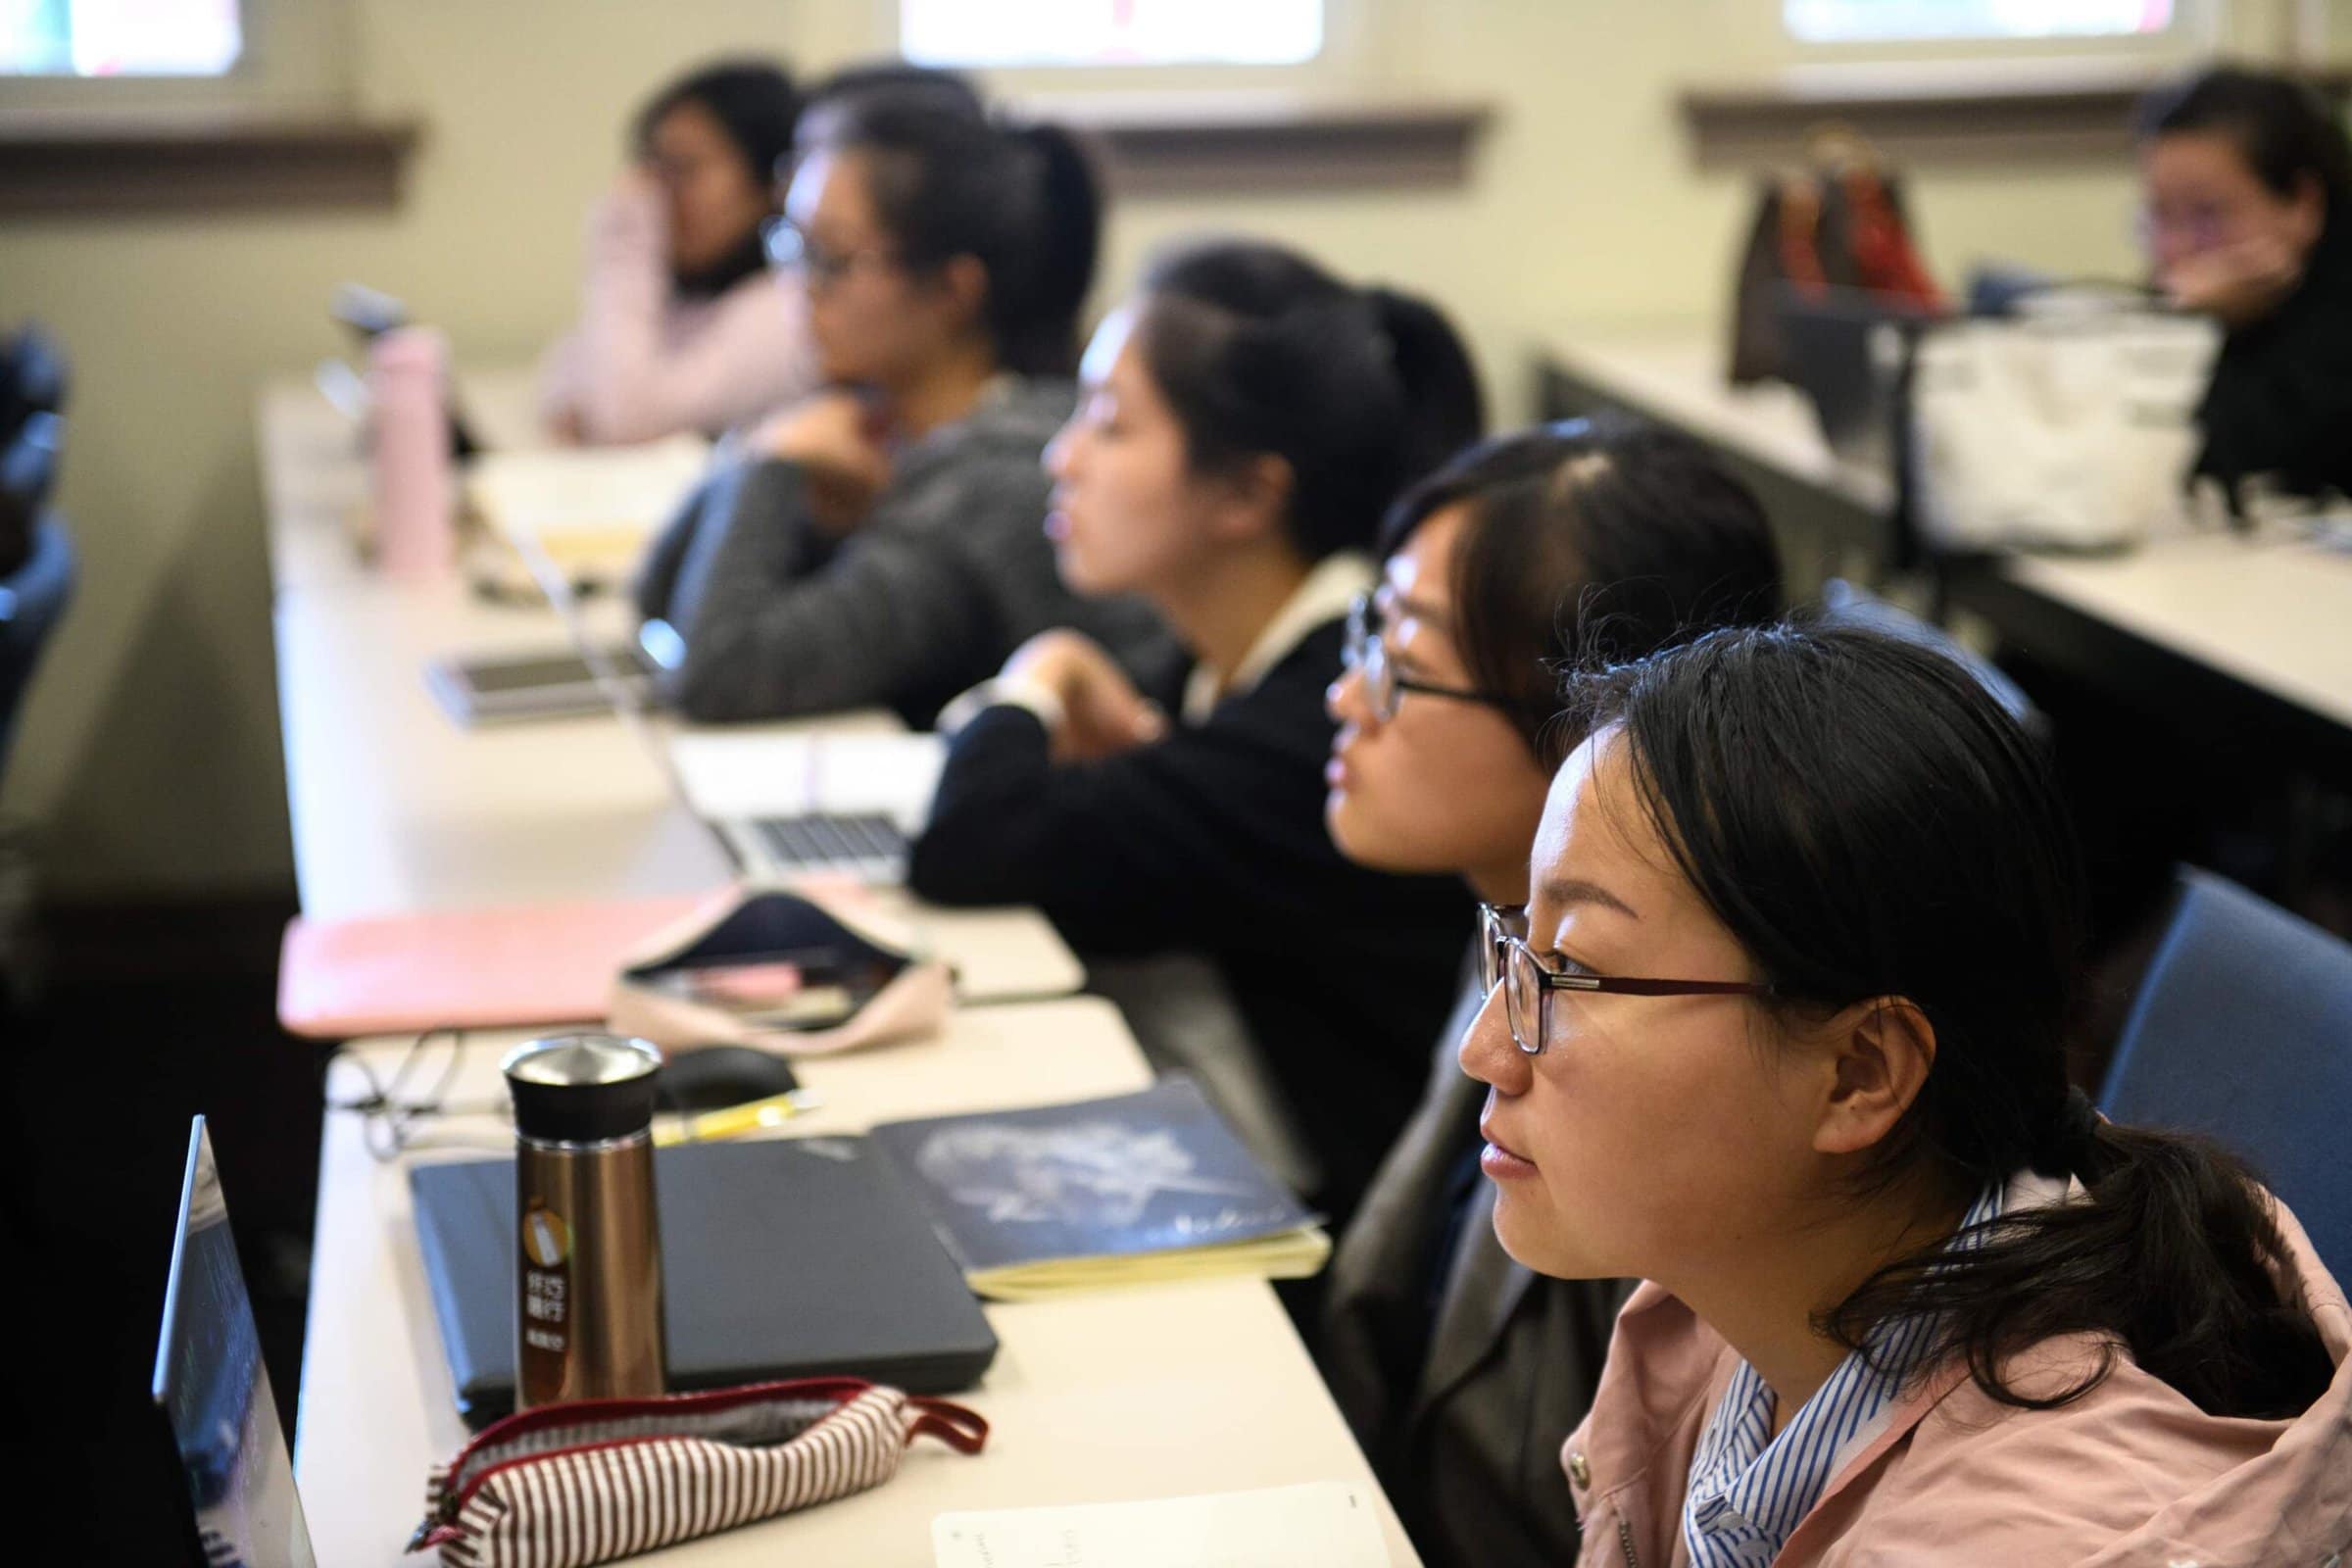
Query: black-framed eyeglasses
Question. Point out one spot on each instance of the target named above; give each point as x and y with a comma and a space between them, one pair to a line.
1367, 653
1505, 959
789, 245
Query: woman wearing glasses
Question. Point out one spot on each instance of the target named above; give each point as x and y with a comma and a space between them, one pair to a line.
879, 543
1781, 1033
1245, 418
2249, 178
1460, 1370
682, 324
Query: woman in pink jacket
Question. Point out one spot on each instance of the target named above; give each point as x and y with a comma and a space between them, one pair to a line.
683, 326
1781, 1033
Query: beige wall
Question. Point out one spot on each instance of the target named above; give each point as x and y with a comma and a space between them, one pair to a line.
150, 752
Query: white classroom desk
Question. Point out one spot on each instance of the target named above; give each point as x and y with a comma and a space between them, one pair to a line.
395, 808
2270, 613
1114, 1396
1676, 374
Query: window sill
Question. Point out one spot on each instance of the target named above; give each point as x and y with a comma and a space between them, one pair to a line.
1934, 112
1185, 143
60, 164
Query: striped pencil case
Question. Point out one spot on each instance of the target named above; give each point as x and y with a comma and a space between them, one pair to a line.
566, 1485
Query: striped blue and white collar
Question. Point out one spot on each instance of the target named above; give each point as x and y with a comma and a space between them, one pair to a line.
1747, 1492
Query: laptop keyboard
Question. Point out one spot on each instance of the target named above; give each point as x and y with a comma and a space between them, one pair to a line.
867, 845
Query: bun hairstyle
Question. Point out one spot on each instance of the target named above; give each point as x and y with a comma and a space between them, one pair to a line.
1869, 821
1588, 541
1023, 200
1261, 352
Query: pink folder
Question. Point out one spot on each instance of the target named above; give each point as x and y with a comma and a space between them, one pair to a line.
512, 965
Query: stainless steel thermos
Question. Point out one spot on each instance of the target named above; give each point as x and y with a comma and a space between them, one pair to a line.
588, 1248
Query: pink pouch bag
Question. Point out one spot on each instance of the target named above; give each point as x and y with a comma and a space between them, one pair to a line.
568, 1484
861, 989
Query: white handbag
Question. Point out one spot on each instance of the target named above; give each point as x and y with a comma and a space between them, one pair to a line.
2071, 427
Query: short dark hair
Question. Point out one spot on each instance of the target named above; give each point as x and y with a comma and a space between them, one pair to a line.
752, 100
1022, 199
1259, 351
1869, 821
1590, 541
2286, 130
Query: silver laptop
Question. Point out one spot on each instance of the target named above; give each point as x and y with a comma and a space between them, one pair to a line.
213, 1393
869, 846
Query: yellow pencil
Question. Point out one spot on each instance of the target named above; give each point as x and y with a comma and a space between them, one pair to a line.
736, 1120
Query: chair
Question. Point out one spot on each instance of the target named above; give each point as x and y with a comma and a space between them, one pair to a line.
32, 600
2242, 1030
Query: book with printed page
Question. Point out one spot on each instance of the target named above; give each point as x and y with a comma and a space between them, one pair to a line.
1134, 1189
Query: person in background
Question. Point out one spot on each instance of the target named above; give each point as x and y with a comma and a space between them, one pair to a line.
2248, 217
1460, 1370
879, 543
682, 326
1781, 1034
1244, 420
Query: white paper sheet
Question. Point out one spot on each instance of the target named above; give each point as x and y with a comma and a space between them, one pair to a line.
1328, 1524
604, 492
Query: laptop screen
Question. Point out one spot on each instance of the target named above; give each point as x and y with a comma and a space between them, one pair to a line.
213, 1390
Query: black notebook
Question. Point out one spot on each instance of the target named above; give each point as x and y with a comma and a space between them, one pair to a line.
780, 1258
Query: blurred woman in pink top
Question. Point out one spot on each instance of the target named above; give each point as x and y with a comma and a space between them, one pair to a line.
1780, 1032
683, 326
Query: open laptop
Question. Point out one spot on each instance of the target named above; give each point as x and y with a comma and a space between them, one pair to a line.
213, 1402
870, 845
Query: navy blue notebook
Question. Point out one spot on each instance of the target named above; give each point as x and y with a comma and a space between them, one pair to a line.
780, 1258
1129, 1190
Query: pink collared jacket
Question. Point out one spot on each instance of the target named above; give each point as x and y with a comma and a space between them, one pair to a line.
2131, 1474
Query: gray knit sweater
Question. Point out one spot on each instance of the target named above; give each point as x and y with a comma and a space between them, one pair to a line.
949, 573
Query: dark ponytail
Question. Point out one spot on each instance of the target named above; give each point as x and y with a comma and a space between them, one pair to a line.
1022, 200
1868, 821
1044, 299
1261, 352
1443, 408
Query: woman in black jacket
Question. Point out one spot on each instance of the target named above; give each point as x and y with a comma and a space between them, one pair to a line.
1243, 421
2248, 218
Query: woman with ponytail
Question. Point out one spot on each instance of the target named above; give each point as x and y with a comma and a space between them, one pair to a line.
1780, 1032
1245, 419
879, 543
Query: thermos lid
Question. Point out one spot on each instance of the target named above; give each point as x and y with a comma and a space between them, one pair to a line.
581, 1089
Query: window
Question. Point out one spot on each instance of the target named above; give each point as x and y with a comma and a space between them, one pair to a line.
1111, 33
1905, 20
118, 37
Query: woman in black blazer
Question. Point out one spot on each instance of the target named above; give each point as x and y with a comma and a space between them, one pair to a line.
1243, 421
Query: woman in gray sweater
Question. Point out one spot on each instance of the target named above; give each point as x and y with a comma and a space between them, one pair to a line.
881, 544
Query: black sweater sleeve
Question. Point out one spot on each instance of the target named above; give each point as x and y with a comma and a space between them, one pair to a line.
1212, 835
